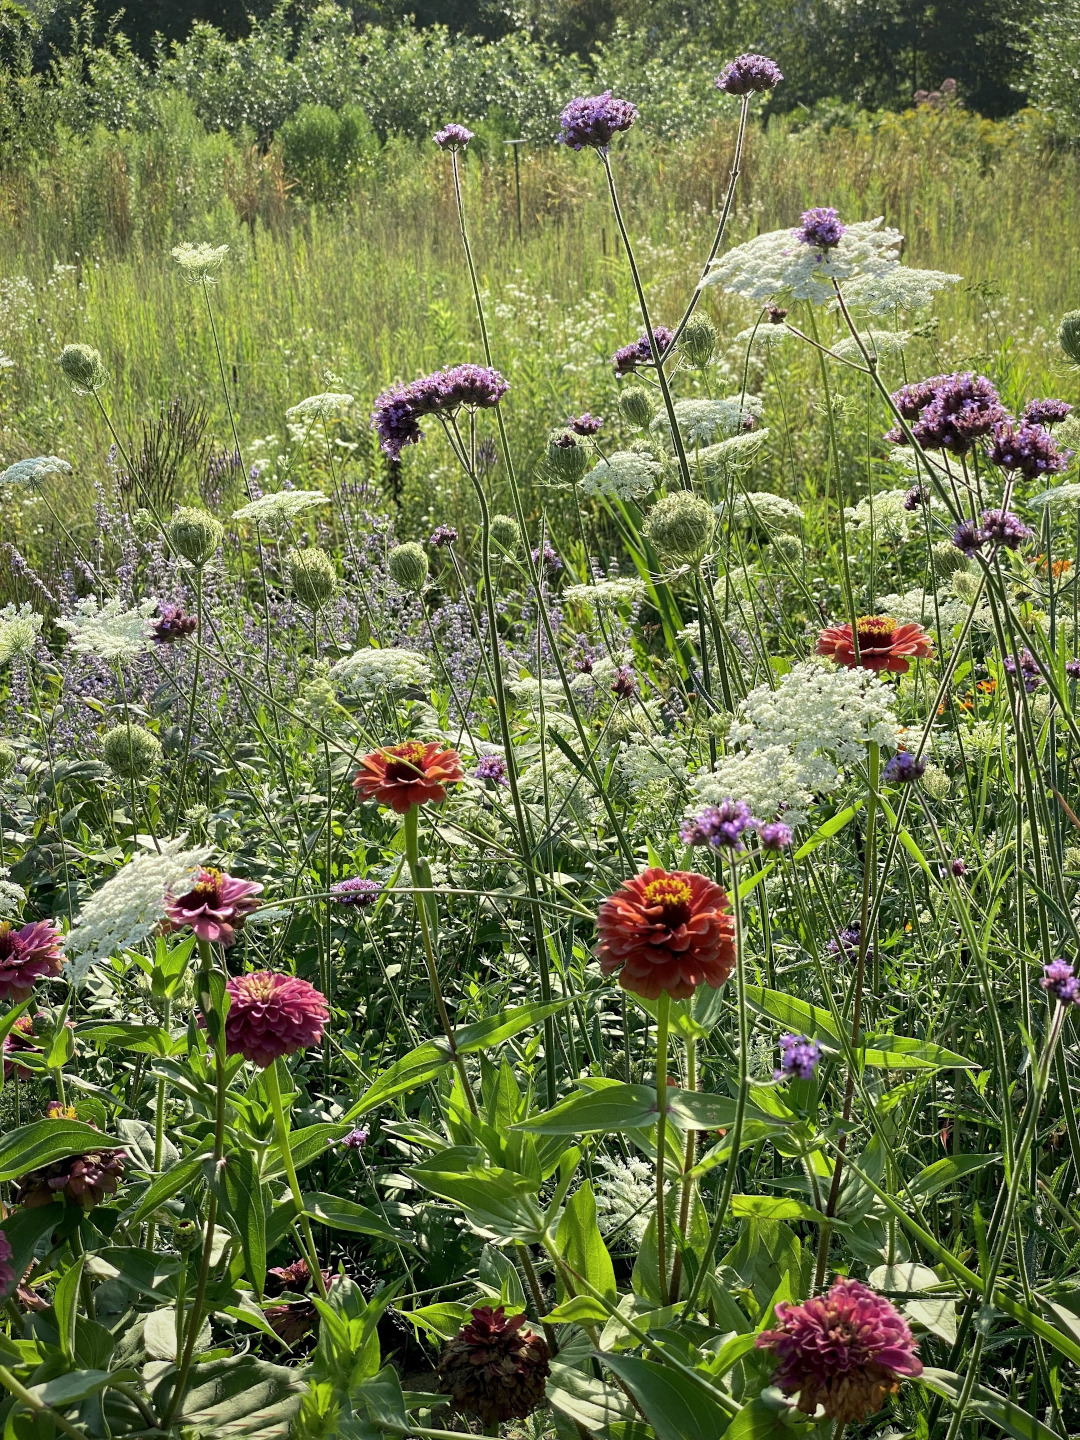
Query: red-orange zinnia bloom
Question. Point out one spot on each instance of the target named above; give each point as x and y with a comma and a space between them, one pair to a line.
670, 931
883, 644
402, 776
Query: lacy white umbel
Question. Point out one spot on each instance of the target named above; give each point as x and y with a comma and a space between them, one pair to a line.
776, 264
108, 630
367, 673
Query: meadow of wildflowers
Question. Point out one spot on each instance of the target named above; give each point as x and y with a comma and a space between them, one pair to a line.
601, 961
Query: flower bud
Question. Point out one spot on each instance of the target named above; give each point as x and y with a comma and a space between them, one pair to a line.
936, 782
313, 577
83, 366
789, 546
409, 566
946, 559
636, 407
965, 586
8, 760
505, 532
131, 752
679, 528
698, 341
195, 534
567, 458
186, 1235
1069, 335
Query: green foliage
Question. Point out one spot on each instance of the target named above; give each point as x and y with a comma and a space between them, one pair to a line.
323, 149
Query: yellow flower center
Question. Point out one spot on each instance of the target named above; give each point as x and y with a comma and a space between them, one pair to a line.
671, 895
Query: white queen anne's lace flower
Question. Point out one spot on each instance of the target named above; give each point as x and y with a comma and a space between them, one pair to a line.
880, 343
624, 475
30, 473
917, 607
19, 628
657, 761
12, 898
110, 631
898, 288
280, 506
200, 264
128, 907
886, 515
1059, 497
607, 594
703, 421
762, 507
367, 673
824, 715
770, 780
319, 407
625, 1196
777, 264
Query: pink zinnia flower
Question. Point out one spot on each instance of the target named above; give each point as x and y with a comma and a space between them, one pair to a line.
271, 1015
845, 1350
7, 1271
18, 1040
26, 956
215, 907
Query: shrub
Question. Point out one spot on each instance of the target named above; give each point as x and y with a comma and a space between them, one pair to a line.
323, 149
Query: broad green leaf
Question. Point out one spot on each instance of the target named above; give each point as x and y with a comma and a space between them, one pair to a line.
610, 1108
66, 1305
898, 1052
988, 1405
795, 1015
580, 1243
409, 1073
776, 1207
758, 1421
43, 1141
944, 1173
78, 1384
247, 1200
493, 1031
167, 1185
493, 1199
342, 1214
236, 1397
824, 832
696, 1110
674, 1406
24, 1228
578, 1310
307, 1145
443, 1321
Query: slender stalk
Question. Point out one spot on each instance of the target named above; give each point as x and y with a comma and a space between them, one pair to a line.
189, 727
663, 1013
281, 1128
688, 1164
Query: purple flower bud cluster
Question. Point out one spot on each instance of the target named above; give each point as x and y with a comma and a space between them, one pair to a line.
914, 497
548, 555
775, 835
398, 411
996, 527
355, 1139
585, 424
722, 826
1026, 668
1029, 448
356, 890
904, 769
949, 412
747, 74
442, 536
173, 624
957, 868
594, 120
492, 767
821, 227
968, 538
1059, 981
624, 686
639, 352
846, 942
1072, 669
1045, 412
453, 137
799, 1056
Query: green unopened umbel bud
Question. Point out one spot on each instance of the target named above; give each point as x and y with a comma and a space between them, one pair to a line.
8, 760
313, 577
83, 366
636, 407
946, 559
698, 341
505, 532
789, 546
567, 457
936, 782
195, 534
131, 752
679, 527
1069, 335
965, 585
409, 566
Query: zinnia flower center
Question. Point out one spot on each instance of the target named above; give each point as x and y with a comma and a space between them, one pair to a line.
407, 763
874, 630
206, 890
671, 897
260, 987
10, 944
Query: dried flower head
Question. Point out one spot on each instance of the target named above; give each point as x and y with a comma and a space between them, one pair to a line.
272, 1015
131, 752
84, 1180
495, 1367
84, 368
667, 932
680, 528
313, 577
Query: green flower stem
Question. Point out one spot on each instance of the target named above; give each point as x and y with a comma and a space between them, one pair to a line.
663, 1013
740, 1103
869, 874
412, 855
533, 1281
688, 1164
281, 1127
37, 1406
849, 593
182, 783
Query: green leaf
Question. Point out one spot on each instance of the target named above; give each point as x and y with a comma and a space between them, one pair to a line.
609, 1108
580, 1243
758, 1421
235, 1397
898, 1052
66, 1305
796, 1015
831, 827
42, 1142
409, 1073
307, 1146
138, 1039
167, 1185
776, 1207
505, 1025
443, 1321
696, 1110
342, 1214
24, 1228
247, 1201
493, 1199
674, 1406
78, 1384
988, 1405
578, 1310
944, 1173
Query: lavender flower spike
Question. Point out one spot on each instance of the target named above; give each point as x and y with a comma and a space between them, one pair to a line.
593, 120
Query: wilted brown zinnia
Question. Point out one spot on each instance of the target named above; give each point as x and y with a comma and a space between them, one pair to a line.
495, 1367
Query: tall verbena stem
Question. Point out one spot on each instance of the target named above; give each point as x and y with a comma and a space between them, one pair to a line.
281, 1130
663, 1013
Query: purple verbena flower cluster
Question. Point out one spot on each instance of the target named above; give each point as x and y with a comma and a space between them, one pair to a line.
442, 536
914, 497
398, 411
799, 1056
594, 120
548, 555
585, 424
453, 137
720, 826
173, 624
1059, 981
624, 686
639, 352
492, 767
904, 769
949, 412
996, 527
747, 74
356, 890
1026, 668
1045, 412
821, 227
1029, 448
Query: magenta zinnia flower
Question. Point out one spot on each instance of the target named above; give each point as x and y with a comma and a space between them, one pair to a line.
215, 907
271, 1015
845, 1350
26, 956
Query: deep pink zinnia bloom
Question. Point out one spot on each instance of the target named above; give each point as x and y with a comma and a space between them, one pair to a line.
845, 1350
26, 956
271, 1015
215, 907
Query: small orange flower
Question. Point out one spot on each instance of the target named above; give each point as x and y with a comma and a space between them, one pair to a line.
986, 687
402, 776
883, 644
669, 931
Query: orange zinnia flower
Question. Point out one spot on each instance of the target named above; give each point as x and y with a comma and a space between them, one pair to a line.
670, 931
402, 776
883, 644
